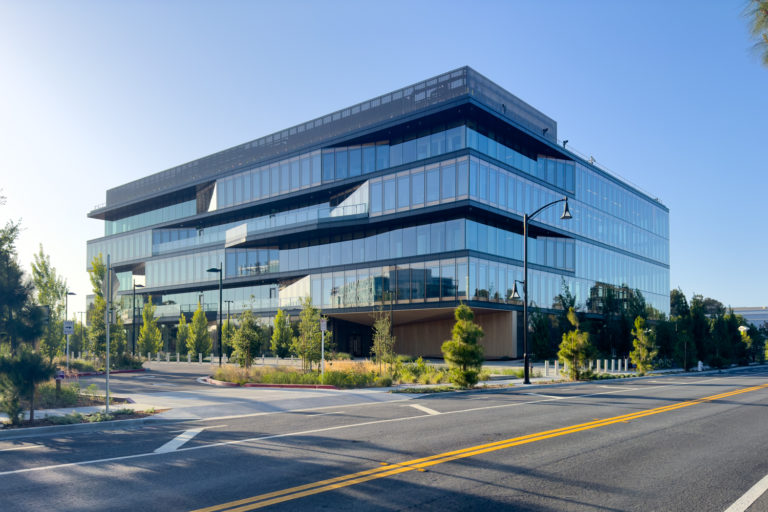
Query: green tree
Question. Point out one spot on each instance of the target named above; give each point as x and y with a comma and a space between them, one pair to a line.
248, 339
51, 292
149, 334
307, 343
228, 330
462, 352
77, 341
182, 333
199, 340
757, 13
19, 377
540, 328
576, 349
21, 321
282, 334
383, 348
644, 347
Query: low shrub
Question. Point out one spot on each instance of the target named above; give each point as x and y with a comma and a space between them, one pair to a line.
67, 419
126, 362
348, 374
341, 356
419, 372
46, 397
81, 365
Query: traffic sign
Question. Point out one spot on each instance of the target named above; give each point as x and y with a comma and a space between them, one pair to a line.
69, 327
323, 325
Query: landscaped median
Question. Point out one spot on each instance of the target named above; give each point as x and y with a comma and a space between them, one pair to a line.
339, 374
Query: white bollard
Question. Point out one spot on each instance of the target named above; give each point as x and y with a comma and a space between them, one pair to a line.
149, 356
262, 359
546, 368
557, 368
605, 365
177, 357
158, 357
200, 358
189, 357
167, 357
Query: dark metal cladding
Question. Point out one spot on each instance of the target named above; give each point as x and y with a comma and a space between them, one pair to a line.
375, 113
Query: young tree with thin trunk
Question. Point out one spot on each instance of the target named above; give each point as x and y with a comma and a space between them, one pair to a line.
307, 344
575, 349
644, 347
462, 352
182, 333
383, 348
281, 335
248, 340
149, 334
199, 341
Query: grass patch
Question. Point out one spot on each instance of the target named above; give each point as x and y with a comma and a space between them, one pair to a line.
342, 374
434, 389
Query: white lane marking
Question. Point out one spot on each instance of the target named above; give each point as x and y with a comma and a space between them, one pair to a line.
424, 409
179, 441
551, 397
291, 434
620, 387
750, 496
25, 447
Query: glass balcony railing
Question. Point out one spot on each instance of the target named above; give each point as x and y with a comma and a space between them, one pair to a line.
260, 225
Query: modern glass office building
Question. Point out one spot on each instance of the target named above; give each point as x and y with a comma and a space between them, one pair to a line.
412, 201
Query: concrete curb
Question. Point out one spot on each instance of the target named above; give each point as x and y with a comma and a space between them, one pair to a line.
222, 383
77, 428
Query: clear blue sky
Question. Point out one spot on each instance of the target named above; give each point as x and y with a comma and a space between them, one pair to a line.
667, 94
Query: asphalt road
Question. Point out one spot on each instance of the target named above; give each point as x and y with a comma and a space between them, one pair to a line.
682, 443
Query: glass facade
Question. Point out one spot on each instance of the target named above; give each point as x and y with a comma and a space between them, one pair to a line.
380, 234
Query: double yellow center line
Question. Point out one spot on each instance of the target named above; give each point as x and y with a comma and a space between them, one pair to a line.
292, 493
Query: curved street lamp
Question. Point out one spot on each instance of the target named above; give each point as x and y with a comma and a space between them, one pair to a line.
566, 215
221, 277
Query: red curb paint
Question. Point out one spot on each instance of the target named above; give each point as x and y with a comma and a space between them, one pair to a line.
222, 383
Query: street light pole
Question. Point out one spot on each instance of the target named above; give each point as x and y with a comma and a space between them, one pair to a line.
221, 280
133, 324
66, 312
229, 325
526, 219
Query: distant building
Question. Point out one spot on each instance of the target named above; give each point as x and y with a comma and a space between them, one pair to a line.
757, 316
412, 201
